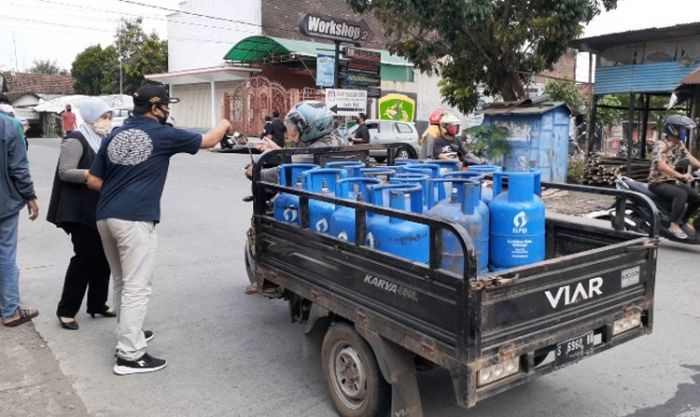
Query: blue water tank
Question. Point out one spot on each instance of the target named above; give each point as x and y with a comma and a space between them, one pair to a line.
323, 181
487, 192
343, 219
396, 236
286, 206
465, 208
381, 173
420, 179
446, 165
351, 167
517, 221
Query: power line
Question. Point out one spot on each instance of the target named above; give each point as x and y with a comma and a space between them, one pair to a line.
152, 6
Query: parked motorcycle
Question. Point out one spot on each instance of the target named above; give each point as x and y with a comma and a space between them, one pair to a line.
638, 218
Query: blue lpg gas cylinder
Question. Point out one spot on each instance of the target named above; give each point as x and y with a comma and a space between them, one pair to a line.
465, 208
393, 235
323, 181
381, 173
351, 167
483, 208
399, 162
471, 176
487, 192
419, 179
446, 165
517, 221
433, 171
286, 206
343, 219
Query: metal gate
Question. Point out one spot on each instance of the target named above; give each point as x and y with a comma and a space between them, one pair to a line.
248, 104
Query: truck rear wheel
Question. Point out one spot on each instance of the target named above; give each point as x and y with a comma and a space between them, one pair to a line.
353, 378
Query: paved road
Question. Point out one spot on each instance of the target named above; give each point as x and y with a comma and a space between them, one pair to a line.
236, 355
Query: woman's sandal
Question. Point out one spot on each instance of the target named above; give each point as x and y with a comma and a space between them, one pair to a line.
251, 289
25, 315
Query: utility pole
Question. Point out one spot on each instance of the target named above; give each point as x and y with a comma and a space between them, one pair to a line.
119, 49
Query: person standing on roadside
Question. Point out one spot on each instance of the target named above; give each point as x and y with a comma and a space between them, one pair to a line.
278, 129
72, 208
267, 128
362, 133
68, 120
16, 191
130, 171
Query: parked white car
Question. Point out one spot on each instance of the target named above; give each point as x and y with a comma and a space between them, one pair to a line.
118, 117
384, 132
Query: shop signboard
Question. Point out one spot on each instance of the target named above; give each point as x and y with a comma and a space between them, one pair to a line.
334, 28
399, 107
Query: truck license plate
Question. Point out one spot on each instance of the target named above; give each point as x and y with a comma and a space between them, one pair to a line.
574, 349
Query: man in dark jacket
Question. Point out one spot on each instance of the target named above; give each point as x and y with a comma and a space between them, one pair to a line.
16, 191
278, 129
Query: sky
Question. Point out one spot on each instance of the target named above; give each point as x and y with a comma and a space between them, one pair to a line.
60, 29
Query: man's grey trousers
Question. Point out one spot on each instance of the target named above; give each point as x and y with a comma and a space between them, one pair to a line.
130, 248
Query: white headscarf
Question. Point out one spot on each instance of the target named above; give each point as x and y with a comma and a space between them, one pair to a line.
91, 110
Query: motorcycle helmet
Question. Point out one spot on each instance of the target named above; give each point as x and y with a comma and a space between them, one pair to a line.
312, 119
435, 116
675, 124
449, 124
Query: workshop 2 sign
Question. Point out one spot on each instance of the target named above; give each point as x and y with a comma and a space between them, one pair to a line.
327, 27
399, 107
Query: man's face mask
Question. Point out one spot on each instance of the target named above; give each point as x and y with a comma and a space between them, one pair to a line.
452, 129
163, 119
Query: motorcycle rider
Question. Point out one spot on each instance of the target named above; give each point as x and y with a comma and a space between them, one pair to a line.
446, 146
669, 184
309, 124
433, 131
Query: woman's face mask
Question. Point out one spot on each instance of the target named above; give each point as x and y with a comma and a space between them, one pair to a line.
103, 125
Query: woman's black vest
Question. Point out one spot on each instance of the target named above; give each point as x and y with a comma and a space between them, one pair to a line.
73, 202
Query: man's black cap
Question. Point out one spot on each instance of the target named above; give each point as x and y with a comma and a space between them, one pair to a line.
153, 94
4, 99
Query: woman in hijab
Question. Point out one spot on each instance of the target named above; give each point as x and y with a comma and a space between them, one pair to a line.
73, 207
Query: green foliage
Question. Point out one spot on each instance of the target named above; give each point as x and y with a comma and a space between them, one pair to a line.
490, 141
609, 117
574, 174
140, 53
480, 47
46, 67
568, 93
96, 71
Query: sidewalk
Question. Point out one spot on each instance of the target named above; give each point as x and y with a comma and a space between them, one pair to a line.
31, 383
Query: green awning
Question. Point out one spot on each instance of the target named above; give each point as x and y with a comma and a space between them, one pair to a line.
258, 49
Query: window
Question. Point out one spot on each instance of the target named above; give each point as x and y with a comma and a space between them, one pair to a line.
403, 128
385, 127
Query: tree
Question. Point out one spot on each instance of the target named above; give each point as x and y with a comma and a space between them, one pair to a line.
140, 53
96, 71
46, 67
567, 92
491, 44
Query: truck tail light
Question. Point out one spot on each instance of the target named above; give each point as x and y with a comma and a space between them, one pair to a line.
498, 371
630, 322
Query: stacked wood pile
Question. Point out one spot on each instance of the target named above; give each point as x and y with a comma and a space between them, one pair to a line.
602, 170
